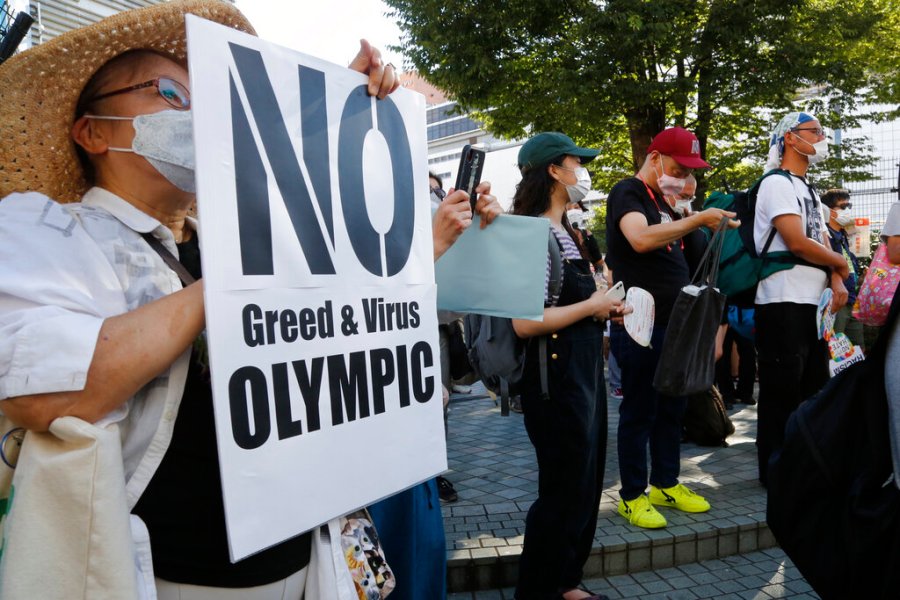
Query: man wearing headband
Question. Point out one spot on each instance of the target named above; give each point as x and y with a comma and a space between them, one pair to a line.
93, 322
792, 360
648, 247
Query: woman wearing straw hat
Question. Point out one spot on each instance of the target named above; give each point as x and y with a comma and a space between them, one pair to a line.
93, 322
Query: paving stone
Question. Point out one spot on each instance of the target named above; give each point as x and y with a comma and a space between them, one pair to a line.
493, 467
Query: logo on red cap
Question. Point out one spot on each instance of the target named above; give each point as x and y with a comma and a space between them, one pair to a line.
681, 145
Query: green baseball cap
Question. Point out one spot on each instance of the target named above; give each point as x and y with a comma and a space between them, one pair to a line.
546, 146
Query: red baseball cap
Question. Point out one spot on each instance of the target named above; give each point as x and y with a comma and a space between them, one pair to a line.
681, 145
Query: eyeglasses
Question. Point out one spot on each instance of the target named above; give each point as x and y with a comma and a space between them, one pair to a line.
819, 131
847, 206
171, 91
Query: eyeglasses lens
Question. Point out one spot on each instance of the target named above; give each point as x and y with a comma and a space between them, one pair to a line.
174, 93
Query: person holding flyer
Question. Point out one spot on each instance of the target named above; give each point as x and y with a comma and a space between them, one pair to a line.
94, 321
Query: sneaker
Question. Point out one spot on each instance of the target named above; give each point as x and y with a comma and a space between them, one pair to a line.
679, 497
446, 491
616, 393
459, 388
641, 513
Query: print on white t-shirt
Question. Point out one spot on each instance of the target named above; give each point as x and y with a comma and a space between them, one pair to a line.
778, 196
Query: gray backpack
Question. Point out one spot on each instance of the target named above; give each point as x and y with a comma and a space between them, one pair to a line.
497, 354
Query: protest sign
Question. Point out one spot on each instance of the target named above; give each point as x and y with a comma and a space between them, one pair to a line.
511, 283
319, 285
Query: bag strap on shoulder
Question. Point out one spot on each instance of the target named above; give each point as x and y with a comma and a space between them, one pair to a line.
554, 251
171, 262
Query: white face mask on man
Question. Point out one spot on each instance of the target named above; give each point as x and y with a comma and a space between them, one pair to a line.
844, 217
820, 149
166, 140
669, 185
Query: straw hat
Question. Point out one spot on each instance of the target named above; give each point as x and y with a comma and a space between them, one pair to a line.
39, 90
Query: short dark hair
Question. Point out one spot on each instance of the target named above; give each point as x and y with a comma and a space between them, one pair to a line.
831, 197
440, 181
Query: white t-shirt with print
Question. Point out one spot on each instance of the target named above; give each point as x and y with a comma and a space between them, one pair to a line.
779, 196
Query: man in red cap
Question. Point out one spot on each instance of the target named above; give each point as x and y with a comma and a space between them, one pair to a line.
649, 244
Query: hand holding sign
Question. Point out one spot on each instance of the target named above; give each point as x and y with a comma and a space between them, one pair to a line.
842, 352
383, 78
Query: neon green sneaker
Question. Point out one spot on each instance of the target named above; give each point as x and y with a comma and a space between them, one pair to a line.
679, 497
641, 513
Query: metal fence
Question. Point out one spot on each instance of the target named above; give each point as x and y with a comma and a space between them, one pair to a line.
13, 28
873, 198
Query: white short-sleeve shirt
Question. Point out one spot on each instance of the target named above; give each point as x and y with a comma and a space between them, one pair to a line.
64, 269
778, 196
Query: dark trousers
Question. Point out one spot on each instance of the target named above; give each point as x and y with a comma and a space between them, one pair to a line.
746, 367
568, 431
646, 418
793, 365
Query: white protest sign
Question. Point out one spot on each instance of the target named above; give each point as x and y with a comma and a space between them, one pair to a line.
319, 285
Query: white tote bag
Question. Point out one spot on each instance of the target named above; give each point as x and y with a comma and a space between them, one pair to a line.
67, 534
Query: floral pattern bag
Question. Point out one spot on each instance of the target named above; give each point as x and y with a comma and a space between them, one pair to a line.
877, 290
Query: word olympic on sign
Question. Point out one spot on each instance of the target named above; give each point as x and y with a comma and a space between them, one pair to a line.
319, 285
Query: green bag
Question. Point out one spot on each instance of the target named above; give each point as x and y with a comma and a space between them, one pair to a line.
741, 267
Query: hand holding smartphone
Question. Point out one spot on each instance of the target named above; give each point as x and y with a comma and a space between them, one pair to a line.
471, 163
616, 292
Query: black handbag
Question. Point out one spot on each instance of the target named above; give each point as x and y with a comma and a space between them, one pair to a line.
687, 363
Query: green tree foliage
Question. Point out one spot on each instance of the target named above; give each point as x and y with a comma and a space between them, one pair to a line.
613, 73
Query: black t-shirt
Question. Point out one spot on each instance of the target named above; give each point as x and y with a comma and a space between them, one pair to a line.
182, 505
662, 272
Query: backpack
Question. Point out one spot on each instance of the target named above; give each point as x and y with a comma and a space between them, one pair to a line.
833, 504
741, 267
706, 422
497, 354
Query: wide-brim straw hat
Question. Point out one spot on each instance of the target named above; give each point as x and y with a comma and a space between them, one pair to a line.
39, 90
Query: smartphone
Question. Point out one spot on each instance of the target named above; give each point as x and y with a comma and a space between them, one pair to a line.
468, 176
616, 292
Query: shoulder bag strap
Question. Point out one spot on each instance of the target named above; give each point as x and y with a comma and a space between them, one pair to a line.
172, 262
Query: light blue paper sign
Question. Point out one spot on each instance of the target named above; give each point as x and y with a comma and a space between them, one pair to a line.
498, 271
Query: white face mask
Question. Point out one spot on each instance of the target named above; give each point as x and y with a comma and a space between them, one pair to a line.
821, 151
669, 185
579, 190
682, 207
166, 140
844, 217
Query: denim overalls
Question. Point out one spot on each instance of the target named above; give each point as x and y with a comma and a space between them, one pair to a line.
568, 431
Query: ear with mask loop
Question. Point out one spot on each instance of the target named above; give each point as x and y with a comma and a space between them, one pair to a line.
166, 140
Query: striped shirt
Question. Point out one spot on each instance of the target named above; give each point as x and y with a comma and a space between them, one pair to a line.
569, 251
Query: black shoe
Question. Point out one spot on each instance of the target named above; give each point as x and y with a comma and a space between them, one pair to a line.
446, 491
749, 400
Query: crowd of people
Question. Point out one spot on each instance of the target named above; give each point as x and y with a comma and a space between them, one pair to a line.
97, 323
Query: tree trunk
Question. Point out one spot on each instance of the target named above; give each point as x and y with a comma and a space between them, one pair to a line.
704, 118
644, 122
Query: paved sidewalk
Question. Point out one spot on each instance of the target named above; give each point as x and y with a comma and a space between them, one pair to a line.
493, 468
755, 576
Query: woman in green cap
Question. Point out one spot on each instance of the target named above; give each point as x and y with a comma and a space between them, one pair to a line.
567, 428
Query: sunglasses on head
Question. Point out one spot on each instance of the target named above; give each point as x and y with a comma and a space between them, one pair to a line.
170, 90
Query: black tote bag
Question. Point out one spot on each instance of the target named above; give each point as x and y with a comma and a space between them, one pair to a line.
687, 361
